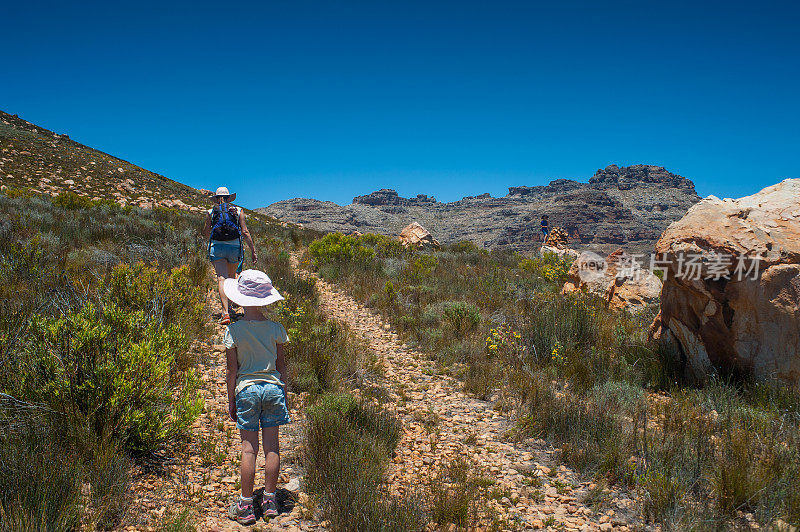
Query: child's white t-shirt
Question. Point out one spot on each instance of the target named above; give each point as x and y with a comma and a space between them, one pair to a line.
256, 349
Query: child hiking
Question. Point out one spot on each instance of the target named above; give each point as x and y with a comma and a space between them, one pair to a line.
225, 229
256, 380
545, 224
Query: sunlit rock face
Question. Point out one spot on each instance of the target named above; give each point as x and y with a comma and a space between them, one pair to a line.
731, 297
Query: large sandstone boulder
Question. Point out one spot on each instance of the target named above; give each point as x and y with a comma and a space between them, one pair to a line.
562, 253
415, 236
619, 279
731, 298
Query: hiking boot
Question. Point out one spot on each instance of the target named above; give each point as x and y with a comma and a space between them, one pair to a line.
269, 506
225, 320
241, 513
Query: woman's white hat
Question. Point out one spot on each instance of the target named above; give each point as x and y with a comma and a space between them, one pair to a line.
253, 288
223, 191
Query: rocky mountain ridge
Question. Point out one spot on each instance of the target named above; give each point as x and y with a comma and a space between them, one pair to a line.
619, 206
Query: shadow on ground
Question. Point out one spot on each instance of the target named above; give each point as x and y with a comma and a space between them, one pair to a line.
286, 500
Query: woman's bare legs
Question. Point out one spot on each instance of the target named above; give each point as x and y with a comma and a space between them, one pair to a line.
224, 270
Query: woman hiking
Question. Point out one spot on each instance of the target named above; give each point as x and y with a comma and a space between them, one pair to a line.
225, 229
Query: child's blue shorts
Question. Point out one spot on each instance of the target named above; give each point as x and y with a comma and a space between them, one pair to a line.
261, 405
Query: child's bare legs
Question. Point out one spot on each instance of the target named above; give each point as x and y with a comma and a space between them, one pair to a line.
224, 270
248, 465
272, 458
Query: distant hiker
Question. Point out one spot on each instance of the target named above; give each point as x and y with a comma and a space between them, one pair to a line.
256, 378
545, 227
225, 229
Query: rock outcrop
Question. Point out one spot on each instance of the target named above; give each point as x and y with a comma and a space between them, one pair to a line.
731, 297
619, 280
416, 236
628, 206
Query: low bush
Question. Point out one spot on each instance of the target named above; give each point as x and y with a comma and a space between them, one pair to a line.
115, 367
48, 464
454, 494
549, 266
71, 201
321, 353
348, 446
339, 248
461, 316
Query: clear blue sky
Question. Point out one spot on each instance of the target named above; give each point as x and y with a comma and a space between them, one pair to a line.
335, 99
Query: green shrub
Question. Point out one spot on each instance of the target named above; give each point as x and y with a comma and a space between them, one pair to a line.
390, 293
464, 246
420, 268
174, 298
180, 521
384, 246
39, 481
463, 317
71, 201
454, 494
46, 462
114, 368
348, 446
744, 471
549, 266
336, 248
19, 192
320, 353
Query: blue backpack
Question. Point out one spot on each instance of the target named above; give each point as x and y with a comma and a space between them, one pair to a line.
225, 222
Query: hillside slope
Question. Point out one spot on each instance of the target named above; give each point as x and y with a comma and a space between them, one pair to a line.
43, 161
627, 206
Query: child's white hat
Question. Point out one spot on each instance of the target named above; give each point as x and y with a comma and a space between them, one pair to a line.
253, 288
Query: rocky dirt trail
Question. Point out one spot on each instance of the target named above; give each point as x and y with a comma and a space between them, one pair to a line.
442, 424
205, 476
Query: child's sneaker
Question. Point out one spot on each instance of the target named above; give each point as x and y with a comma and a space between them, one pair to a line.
242, 513
269, 506
225, 320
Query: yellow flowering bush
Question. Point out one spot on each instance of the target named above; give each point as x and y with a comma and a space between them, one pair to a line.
505, 341
550, 267
558, 354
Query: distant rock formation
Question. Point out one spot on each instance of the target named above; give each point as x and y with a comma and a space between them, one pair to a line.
387, 196
619, 206
724, 309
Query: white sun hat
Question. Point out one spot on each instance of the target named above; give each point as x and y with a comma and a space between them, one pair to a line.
253, 288
223, 191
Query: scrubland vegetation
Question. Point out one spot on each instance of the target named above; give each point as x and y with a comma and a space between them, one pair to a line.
586, 379
102, 309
